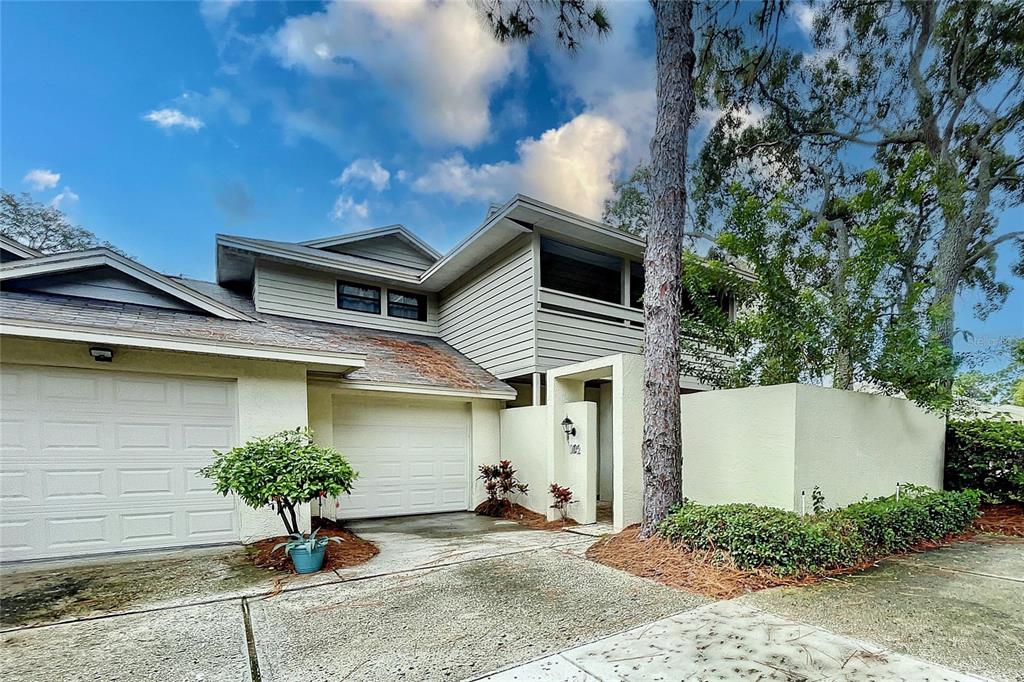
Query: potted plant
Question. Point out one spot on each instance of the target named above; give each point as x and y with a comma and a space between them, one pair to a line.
283, 471
307, 553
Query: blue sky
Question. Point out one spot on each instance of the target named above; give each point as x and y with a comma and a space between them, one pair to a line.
168, 122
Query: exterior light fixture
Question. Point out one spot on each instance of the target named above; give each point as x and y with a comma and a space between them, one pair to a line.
569, 429
101, 354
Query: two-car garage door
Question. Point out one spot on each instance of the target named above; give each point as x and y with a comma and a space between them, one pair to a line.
413, 456
99, 461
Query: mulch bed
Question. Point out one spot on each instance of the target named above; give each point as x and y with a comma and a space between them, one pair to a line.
524, 517
1007, 519
351, 551
705, 573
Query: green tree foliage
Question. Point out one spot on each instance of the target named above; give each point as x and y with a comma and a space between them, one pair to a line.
282, 470
41, 227
936, 83
630, 207
1001, 387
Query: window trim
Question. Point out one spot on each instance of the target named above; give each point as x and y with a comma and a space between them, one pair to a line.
421, 305
343, 283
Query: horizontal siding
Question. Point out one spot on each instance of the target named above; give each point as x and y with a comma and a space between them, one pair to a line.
388, 250
488, 315
312, 295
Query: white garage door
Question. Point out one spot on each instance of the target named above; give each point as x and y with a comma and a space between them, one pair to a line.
412, 455
101, 461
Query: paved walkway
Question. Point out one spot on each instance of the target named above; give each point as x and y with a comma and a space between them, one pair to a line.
457, 596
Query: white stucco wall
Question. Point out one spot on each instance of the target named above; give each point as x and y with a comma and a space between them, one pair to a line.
271, 395
738, 445
579, 471
767, 444
523, 432
605, 445
855, 444
486, 430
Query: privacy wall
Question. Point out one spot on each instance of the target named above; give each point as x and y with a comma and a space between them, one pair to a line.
767, 444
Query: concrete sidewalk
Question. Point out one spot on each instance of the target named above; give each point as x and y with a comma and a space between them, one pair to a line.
726, 641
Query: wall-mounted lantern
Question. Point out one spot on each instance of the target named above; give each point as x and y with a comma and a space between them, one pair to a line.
568, 427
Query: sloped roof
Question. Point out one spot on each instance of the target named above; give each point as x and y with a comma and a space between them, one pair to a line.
399, 231
20, 250
388, 357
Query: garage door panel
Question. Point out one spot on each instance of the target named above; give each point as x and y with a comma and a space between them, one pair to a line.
100, 461
412, 455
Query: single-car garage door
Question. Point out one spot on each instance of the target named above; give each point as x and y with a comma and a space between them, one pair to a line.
102, 461
412, 455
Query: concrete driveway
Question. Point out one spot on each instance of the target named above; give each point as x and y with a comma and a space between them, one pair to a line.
457, 596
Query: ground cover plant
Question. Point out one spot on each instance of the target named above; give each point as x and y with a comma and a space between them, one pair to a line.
501, 485
986, 455
723, 551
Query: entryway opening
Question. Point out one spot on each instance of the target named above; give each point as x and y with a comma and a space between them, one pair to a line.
599, 391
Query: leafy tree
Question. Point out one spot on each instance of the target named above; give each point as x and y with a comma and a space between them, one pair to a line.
41, 227
675, 58
282, 470
938, 81
1003, 386
630, 208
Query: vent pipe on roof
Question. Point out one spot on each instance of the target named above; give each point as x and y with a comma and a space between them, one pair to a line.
491, 210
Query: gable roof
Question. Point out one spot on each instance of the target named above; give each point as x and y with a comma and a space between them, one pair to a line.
399, 231
105, 258
18, 249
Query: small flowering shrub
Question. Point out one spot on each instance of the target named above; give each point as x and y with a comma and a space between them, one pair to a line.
282, 471
563, 498
500, 484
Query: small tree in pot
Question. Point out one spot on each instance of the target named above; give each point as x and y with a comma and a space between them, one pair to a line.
283, 471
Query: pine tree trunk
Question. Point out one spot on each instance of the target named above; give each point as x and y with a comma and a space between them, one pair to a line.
662, 433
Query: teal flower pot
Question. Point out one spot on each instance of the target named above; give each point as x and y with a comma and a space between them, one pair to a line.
308, 562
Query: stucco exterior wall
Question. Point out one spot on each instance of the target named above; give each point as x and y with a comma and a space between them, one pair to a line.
766, 444
855, 444
271, 395
523, 433
486, 434
605, 444
738, 445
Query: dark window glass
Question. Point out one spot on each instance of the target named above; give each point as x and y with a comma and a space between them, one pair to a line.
636, 284
580, 271
359, 297
408, 306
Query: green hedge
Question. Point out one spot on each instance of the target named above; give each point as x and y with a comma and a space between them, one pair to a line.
785, 542
988, 456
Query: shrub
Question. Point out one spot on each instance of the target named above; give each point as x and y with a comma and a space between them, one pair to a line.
500, 484
986, 455
563, 498
785, 542
283, 471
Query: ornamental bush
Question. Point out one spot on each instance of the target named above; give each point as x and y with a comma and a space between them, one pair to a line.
282, 471
785, 542
986, 455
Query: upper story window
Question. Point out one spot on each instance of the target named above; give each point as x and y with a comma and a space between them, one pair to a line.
580, 271
361, 298
406, 305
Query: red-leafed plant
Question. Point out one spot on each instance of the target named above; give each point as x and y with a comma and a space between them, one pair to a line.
500, 484
563, 498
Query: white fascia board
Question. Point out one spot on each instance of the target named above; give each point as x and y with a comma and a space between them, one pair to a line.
318, 261
398, 230
416, 389
333, 362
93, 258
18, 249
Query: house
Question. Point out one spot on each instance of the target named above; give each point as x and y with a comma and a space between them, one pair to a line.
119, 381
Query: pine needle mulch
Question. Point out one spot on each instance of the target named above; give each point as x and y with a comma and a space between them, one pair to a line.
351, 551
1005, 519
523, 516
675, 566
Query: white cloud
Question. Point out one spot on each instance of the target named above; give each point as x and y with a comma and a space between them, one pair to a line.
368, 170
805, 15
65, 197
41, 178
438, 57
345, 206
215, 102
573, 167
172, 118
216, 11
